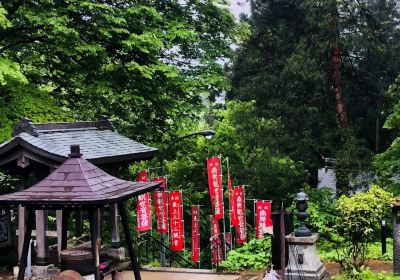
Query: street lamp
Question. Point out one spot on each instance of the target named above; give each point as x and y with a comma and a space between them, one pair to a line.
205, 133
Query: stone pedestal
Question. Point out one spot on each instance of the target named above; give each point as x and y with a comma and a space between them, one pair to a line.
304, 263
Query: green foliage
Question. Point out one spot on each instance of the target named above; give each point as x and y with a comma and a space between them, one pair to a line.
285, 65
145, 64
358, 217
7, 183
352, 161
366, 274
253, 255
322, 211
329, 251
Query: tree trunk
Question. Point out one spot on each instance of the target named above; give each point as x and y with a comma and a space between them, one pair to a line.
337, 75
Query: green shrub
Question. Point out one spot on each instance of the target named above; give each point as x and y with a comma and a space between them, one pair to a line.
365, 274
359, 216
254, 255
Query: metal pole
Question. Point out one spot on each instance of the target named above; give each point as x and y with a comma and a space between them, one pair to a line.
383, 237
198, 234
223, 207
230, 210
255, 214
282, 239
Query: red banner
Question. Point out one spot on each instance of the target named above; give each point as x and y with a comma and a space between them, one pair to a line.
142, 176
241, 234
143, 212
195, 234
263, 218
176, 220
160, 206
232, 208
215, 186
216, 244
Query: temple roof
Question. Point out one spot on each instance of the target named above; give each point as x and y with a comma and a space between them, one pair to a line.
98, 141
77, 182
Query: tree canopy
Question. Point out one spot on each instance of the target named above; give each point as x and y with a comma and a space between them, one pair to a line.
143, 63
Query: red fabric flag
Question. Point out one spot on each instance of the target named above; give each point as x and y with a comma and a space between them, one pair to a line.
216, 243
175, 216
263, 218
215, 186
241, 233
232, 205
160, 206
195, 234
143, 212
142, 176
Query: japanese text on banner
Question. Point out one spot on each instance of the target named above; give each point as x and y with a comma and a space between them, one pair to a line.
143, 212
160, 206
195, 234
232, 205
215, 186
241, 234
263, 218
175, 216
216, 243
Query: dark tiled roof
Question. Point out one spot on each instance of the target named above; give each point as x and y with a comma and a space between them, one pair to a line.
78, 182
99, 142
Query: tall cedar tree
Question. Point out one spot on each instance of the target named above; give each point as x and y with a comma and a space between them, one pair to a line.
286, 67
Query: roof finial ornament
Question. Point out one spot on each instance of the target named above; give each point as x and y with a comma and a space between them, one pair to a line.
104, 123
25, 126
75, 151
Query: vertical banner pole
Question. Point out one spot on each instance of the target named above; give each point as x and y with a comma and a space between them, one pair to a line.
198, 234
223, 206
211, 243
244, 210
255, 214
230, 210
183, 224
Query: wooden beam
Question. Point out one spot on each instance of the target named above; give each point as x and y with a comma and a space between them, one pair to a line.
115, 238
64, 229
41, 240
132, 255
94, 243
25, 246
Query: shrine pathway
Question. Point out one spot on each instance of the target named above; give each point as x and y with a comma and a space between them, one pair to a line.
158, 275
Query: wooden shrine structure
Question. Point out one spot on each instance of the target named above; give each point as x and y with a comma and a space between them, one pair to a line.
78, 184
37, 149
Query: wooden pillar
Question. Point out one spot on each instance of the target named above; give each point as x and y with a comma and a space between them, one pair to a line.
132, 255
78, 223
115, 238
59, 231
99, 222
64, 229
21, 229
41, 239
95, 243
26, 243
21, 216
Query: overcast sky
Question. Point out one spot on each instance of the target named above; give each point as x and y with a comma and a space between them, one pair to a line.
240, 6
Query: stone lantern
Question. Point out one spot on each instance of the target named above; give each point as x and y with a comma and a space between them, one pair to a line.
304, 263
302, 215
